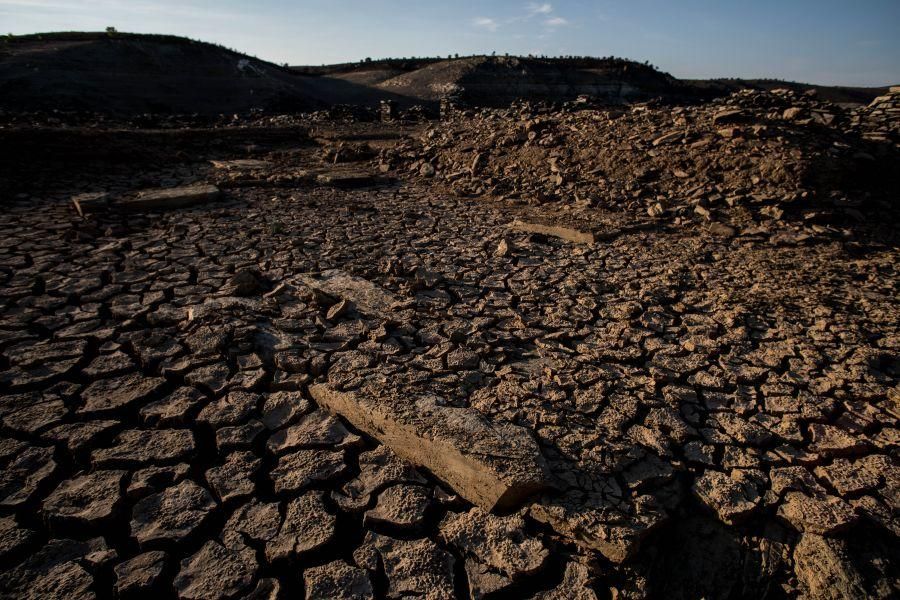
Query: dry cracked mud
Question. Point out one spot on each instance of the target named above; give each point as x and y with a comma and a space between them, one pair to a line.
376, 380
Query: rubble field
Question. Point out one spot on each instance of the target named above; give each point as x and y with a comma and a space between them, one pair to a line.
550, 352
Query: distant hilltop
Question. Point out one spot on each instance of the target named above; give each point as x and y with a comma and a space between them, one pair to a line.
128, 73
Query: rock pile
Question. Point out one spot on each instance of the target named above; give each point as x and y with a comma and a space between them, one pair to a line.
744, 161
880, 121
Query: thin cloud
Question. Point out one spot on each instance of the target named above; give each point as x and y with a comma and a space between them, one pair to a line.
539, 9
485, 23
116, 8
556, 22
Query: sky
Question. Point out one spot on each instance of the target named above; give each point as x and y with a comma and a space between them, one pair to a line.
828, 42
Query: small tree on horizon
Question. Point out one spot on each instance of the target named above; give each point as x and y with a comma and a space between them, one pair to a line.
110, 31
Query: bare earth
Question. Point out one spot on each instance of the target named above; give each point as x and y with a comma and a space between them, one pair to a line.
556, 354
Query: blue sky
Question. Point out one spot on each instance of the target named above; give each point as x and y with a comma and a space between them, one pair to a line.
840, 42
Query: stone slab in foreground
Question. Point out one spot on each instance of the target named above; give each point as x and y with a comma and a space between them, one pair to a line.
178, 197
566, 233
492, 465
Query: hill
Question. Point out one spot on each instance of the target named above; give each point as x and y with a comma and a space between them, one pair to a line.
498, 80
121, 73
131, 73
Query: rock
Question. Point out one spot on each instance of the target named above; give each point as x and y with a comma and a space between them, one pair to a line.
728, 116
256, 521
577, 584
825, 569
31, 419
80, 435
139, 447
233, 479
241, 164
210, 341
668, 138
346, 179
498, 543
110, 395
338, 310
834, 441
367, 297
400, 506
239, 436
175, 409
171, 515
772, 212
214, 379
140, 574
816, 514
21, 478
378, 469
153, 479
849, 478
233, 409
412, 567
245, 282
566, 233
170, 198
337, 580
721, 230
314, 429
599, 523
656, 210
266, 589
307, 527
427, 170
297, 470
492, 465
792, 113
282, 409
13, 539
216, 572
106, 366
91, 202
730, 133
732, 497
483, 581
87, 500
54, 572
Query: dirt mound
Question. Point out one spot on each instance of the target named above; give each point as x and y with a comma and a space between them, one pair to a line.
127, 73
752, 158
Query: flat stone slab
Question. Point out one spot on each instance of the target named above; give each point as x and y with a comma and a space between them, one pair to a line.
346, 179
177, 197
241, 164
91, 202
493, 465
569, 234
340, 285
